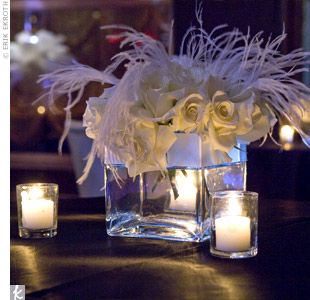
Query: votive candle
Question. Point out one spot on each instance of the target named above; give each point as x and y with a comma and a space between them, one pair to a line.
234, 224
37, 206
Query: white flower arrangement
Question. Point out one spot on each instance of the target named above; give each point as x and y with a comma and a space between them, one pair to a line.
35, 48
227, 89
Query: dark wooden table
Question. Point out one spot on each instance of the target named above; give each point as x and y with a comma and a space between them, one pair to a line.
82, 262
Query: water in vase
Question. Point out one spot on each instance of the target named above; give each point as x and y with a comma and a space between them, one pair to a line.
154, 205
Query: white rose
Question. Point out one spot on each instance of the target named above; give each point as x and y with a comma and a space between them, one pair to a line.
94, 112
160, 101
235, 115
188, 114
146, 150
93, 116
262, 119
221, 121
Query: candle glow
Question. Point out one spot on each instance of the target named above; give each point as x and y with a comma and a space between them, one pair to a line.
187, 191
233, 232
37, 212
287, 134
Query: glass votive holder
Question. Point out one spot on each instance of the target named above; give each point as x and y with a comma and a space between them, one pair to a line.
234, 220
37, 209
225, 177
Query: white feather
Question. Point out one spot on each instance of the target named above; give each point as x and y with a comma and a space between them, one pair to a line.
232, 56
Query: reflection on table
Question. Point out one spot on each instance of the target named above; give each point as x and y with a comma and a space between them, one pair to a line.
82, 262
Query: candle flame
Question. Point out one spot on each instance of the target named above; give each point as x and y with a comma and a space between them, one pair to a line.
234, 207
287, 134
32, 193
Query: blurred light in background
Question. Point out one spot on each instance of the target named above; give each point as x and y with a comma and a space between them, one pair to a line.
33, 39
41, 110
287, 136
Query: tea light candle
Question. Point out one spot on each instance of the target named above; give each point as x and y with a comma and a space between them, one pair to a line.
37, 213
234, 224
233, 232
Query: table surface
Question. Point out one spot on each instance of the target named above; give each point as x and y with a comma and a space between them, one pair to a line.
83, 262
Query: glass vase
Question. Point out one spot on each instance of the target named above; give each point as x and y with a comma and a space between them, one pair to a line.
225, 177
174, 205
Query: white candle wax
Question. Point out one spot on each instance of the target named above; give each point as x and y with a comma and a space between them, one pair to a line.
232, 233
37, 214
187, 193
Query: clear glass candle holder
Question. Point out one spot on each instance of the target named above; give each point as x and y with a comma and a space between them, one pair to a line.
234, 219
228, 176
37, 208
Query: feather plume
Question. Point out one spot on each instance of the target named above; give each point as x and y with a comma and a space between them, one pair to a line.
236, 58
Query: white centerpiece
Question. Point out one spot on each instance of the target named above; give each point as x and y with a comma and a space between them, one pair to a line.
226, 88
179, 113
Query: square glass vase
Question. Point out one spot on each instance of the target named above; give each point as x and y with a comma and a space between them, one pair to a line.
174, 207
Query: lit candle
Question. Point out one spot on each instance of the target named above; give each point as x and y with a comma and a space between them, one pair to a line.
233, 232
187, 192
286, 134
37, 213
